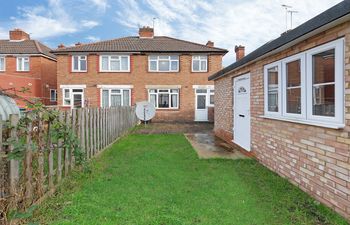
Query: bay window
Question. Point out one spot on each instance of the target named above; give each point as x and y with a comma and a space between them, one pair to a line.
309, 86
115, 97
164, 98
79, 63
114, 63
163, 63
22, 63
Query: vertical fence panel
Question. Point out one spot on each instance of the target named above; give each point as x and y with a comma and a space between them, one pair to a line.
82, 129
75, 129
40, 183
14, 164
95, 131
59, 151
66, 150
50, 157
87, 129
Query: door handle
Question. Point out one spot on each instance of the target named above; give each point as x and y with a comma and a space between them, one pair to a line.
241, 115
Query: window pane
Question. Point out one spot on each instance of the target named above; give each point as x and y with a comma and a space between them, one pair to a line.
174, 57
174, 65
66, 93
115, 91
293, 87
174, 91
163, 100
126, 97
152, 91
153, 66
105, 98
211, 98
203, 65
19, 64
174, 101
26, 65
76, 62
124, 63
272, 101
195, 65
153, 57
201, 90
67, 101
323, 83
104, 62
116, 100
163, 57
201, 104
2, 63
153, 99
83, 64
163, 65
115, 65
323, 67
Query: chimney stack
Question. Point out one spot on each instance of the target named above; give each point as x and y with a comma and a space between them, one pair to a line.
18, 35
146, 32
78, 44
210, 44
239, 49
61, 46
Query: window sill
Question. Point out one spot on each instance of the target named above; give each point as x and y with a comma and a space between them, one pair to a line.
163, 71
114, 71
312, 123
199, 71
78, 71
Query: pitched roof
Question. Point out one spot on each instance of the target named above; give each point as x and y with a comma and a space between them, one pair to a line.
336, 12
25, 47
136, 44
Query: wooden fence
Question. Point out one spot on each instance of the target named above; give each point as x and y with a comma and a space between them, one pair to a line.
26, 181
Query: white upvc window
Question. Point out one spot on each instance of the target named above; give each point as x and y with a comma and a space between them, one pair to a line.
164, 98
115, 63
2, 63
308, 87
199, 63
163, 63
73, 95
112, 97
22, 63
79, 63
53, 95
211, 97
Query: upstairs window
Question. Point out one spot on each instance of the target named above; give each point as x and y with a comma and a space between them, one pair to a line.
114, 63
199, 63
2, 63
163, 63
79, 63
22, 63
164, 98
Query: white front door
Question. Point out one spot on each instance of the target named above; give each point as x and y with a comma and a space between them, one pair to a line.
241, 111
201, 111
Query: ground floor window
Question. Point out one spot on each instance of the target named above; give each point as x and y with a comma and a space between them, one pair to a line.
164, 98
115, 97
73, 97
53, 95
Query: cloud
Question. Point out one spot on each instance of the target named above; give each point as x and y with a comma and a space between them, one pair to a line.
101, 4
227, 23
92, 38
89, 24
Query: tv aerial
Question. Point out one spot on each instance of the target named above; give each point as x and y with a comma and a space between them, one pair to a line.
145, 111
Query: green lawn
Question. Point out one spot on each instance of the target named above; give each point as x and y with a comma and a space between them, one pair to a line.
158, 179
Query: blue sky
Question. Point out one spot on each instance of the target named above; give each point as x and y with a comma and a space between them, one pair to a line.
226, 22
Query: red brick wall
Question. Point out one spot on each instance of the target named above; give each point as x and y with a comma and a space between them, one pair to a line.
139, 77
315, 159
42, 71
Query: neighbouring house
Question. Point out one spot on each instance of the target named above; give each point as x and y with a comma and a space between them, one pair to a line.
170, 73
28, 65
288, 104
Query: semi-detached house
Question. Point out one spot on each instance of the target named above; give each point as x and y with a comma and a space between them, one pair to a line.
288, 104
170, 73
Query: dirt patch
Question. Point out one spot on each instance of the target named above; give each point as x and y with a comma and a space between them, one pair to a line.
172, 128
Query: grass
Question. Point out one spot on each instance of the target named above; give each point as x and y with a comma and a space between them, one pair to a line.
158, 179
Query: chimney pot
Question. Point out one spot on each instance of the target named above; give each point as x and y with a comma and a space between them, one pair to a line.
61, 46
18, 35
146, 32
240, 52
210, 44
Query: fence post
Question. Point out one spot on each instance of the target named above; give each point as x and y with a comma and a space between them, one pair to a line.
59, 151
75, 129
82, 129
95, 130
40, 183
87, 128
50, 156
28, 167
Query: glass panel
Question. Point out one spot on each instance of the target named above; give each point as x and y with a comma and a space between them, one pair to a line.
174, 57
293, 87
174, 101
201, 101
203, 57
211, 99
124, 63
203, 66
152, 99
324, 83
75, 62
164, 91
153, 57
174, 65
83, 64
26, 64
174, 91
104, 63
53, 95
115, 91
77, 101
66, 93
67, 102
163, 57
163, 100
116, 100
126, 97
195, 65
77, 90
2, 63
153, 66
163, 65
201, 90
105, 98
19, 64
272, 74
152, 91
115, 65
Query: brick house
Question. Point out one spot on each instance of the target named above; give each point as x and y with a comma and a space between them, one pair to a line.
171, 73
288, 104
28, 64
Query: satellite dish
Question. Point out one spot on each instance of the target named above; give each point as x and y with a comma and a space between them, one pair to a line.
145, 111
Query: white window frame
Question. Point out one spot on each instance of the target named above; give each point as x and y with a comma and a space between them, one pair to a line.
211, 92
200, 60
53, 100
157, 61
293, 58
4, 66
110, 94
307, 116
70, 88
24, 59
109, 63
79, 63
170, 99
